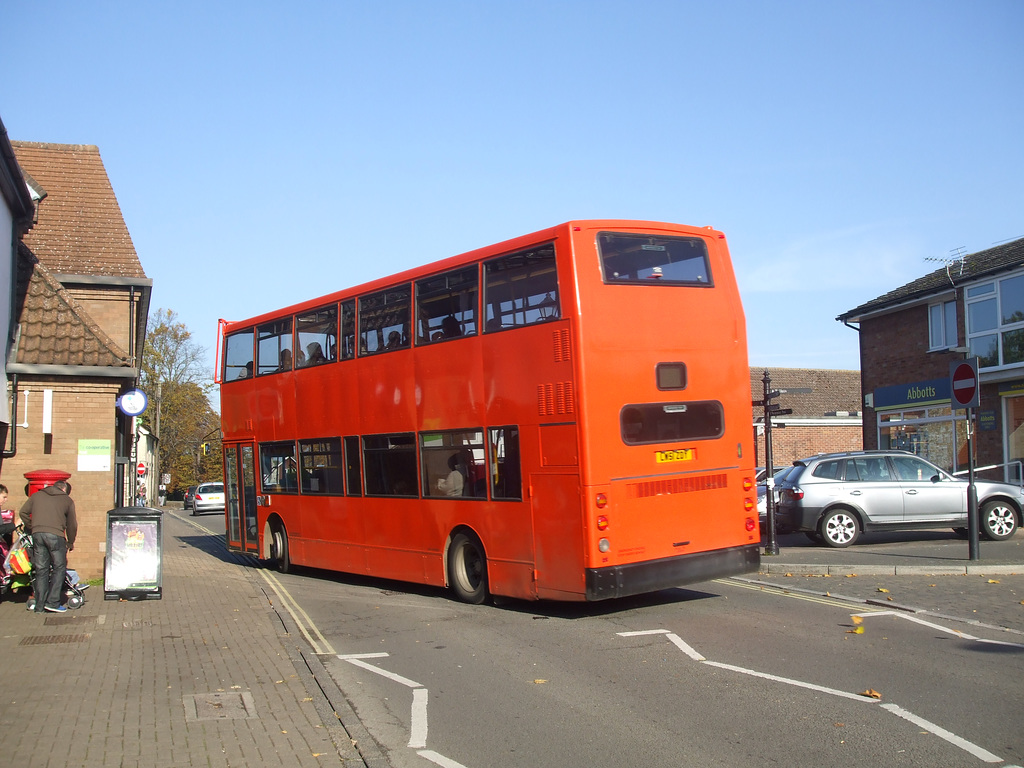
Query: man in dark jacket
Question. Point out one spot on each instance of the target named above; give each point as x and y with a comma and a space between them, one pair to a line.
49, 515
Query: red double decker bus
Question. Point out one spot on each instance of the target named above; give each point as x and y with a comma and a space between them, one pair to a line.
566, 416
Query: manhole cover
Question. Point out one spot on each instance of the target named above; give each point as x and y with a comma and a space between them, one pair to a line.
54, 639
219, 706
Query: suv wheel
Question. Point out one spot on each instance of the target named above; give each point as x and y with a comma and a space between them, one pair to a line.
998, 520
839, 528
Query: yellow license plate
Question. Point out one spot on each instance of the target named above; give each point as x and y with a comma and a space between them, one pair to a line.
680, 454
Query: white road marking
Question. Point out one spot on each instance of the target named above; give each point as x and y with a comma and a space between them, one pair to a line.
940, 628
942, 733
797, 683
383, 673
418, 716
951, 738
678, 641
441, 760
418, 729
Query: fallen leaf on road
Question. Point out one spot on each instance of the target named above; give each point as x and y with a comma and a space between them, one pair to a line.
855, 631
993, 581
882, 589
857, 619
871, 693
539, 682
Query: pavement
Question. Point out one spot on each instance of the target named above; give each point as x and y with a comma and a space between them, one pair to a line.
216, 674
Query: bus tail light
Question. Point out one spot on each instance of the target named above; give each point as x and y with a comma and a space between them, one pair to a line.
751, 524
602, 522
604, 545
748, 484
601, 500
749, 504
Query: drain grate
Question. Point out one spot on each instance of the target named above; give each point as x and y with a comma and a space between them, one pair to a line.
54, 639
219, 706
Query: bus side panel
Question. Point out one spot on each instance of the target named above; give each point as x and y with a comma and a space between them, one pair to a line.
557, 521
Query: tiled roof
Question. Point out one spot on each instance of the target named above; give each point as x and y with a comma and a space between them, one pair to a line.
976, 266
80, 229
56, 329
832, 391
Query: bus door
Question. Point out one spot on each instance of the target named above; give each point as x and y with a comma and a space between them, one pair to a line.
240, 486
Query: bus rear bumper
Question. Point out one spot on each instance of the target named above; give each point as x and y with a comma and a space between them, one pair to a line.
650, 576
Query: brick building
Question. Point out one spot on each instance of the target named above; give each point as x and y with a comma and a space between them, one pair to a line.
81, 299
826, 419
974, 306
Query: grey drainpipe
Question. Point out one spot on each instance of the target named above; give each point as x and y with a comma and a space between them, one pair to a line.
14, 419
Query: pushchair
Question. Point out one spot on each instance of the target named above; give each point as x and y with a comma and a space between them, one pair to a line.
15, 577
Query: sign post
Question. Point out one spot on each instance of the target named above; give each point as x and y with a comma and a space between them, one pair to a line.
771, 409
965, 390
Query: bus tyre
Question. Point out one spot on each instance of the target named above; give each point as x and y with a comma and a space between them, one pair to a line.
839, 528
279, 549
467, 569
998, 520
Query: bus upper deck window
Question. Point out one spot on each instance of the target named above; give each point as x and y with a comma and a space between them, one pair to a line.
654, 260
384, 320
521, 289
238, 356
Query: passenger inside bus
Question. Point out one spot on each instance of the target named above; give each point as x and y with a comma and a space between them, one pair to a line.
286, 360
394, 341
454, 483
450, 327
316, 354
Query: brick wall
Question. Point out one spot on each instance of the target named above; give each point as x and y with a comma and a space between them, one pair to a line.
799, 442
110, 308
82, 409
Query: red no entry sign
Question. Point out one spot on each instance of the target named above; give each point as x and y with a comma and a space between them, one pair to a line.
141, 469
964, 384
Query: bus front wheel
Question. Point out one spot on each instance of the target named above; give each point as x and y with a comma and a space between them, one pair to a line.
467, 569
279, 549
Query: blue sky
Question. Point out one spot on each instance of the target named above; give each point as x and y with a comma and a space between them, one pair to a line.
269, 155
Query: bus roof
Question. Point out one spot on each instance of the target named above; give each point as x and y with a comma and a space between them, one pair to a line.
442, 265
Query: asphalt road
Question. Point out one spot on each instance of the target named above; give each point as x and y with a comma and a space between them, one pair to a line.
774, 669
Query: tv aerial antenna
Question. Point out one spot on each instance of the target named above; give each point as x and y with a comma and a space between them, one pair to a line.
957, 257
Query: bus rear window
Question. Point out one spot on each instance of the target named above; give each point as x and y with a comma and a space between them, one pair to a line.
647, 259
671, 422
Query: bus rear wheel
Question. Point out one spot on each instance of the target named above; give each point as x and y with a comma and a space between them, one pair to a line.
467, 569
279, 549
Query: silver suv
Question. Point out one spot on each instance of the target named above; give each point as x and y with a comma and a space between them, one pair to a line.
833, 497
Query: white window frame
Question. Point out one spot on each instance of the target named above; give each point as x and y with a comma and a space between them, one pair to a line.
986, 291
941, 332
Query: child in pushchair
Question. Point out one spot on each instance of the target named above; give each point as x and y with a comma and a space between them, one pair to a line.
16, 572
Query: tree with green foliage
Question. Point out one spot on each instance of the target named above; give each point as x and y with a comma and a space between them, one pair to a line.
181, 415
